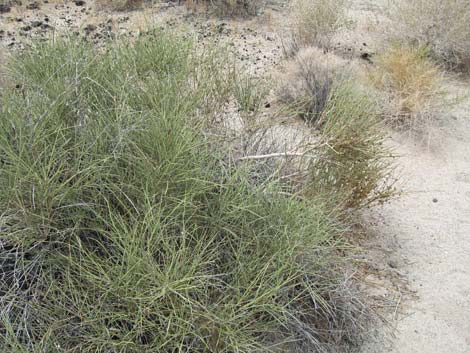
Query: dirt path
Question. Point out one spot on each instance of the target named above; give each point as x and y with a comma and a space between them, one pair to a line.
431, 226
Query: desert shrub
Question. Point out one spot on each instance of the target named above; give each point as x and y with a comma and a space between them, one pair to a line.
123, 229
352, 164
313, 23
412, 84
442, 26
119, 5
306, 81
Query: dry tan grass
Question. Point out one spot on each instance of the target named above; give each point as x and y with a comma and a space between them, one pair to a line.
306, 81
314, 22
443, 26
412, 83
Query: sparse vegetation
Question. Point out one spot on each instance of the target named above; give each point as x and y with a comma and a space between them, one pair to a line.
442, 26
123, 229
412, 84
249, 93
313, 23
352, 164
307, 81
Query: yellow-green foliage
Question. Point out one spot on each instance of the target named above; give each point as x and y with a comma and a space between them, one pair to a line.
411, 81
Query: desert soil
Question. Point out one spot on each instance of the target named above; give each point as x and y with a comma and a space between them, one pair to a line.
421, 239
428, 231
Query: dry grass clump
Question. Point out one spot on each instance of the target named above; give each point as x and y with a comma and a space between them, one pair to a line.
119, 5
412, 84
314, 22
124, 229
442, 26
307, 80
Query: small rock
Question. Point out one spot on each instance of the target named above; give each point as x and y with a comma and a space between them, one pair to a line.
392, 264
4, 8
89, 28
435, 200
35, 24
79, 2
26, 28
33, 6
366, 56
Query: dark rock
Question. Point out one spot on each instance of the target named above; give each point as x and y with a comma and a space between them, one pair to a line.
79, 2
89, 28
4, 8
366, 56
35, 24
33, 6
26, 28
435, 200
392, 264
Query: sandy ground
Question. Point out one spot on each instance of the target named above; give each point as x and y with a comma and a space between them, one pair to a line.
430, 228
425, 234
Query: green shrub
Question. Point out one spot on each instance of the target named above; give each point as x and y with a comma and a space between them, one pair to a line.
352, 163
121, 228
249, 93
